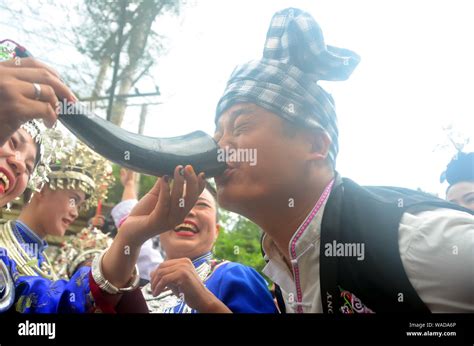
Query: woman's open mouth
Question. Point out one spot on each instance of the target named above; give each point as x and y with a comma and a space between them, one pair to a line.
187, 229
6, 180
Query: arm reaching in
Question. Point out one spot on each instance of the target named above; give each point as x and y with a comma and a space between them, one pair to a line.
158, 211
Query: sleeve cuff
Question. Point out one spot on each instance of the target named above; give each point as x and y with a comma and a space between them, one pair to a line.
100, 299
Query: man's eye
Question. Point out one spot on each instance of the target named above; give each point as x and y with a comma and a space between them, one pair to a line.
240, 128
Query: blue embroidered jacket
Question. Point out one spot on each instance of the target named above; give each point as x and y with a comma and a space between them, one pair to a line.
35, 294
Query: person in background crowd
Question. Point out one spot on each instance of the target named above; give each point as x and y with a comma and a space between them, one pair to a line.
70, 184
460, 176
19, 157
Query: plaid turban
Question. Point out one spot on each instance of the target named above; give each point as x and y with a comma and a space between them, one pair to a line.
284, 81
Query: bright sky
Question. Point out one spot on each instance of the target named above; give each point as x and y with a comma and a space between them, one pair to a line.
416, 76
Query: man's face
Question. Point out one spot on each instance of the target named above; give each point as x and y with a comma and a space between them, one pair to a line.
462, 193
280, 165
198, 232
17, 160
58, 209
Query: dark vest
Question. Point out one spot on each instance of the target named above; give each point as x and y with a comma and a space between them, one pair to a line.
371, 216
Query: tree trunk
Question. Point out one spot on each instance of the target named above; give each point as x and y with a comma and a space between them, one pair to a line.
143, 114
146, 14
99, 82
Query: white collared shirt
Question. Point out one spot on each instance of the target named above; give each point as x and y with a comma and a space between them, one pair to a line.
437, 252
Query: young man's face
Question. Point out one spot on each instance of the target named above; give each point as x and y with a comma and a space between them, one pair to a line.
198, 232
17, 160
280, 165
58, 209
462, 193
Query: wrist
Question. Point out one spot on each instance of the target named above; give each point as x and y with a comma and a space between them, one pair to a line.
109, 286
129, 236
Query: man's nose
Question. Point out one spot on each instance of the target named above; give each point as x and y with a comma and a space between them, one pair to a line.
226, 141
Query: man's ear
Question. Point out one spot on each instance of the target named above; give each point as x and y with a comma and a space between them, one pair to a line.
320, 143
218, 230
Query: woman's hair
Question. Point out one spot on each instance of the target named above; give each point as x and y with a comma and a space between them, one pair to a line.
459, 169
27, 196
38, 154
213, 193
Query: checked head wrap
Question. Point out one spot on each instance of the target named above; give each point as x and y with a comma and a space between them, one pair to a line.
285, 80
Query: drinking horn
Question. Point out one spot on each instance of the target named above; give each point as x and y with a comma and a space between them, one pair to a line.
143, 154
149, 155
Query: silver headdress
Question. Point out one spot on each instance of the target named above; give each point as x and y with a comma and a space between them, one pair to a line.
69, 164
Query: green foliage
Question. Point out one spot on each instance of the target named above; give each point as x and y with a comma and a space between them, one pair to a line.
114, 194
146, 183
239, 241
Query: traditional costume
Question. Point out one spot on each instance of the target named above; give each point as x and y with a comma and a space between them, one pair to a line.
360, 249
38, 288
34, 129
78, 250
239, 287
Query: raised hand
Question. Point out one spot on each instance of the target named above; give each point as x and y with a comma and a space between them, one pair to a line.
29, 89
180, 276
163, 207
127, 176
